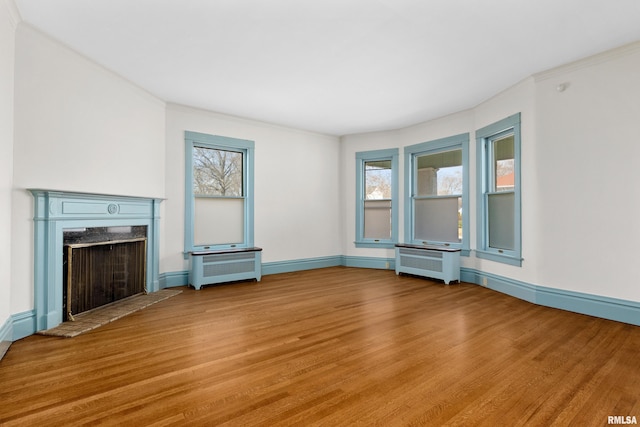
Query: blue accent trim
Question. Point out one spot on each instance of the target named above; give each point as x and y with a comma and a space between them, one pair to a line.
55, 211
245, 146
593, 305
483, 136
460, 141
497, 257
384, 245
362, 157
24, 324
369, 262
6, 336
173, 279
300, 264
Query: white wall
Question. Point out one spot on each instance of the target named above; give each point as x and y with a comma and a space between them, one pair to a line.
587, 175
78, 127
8, 22
297, 187
580, 166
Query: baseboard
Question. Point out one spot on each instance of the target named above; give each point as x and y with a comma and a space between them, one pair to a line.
24, 324
21, 325
369, 262
173, 278
593, 305
300, 264
6, 337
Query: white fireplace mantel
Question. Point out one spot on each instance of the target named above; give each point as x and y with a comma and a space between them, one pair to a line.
55, 211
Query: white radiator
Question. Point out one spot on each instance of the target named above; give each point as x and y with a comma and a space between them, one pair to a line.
429, 261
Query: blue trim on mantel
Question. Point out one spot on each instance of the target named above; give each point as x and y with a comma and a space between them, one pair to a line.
56, 210
593, 305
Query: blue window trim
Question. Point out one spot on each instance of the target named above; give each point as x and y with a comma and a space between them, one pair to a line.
361, 157
223, 143
483, 136
454, 142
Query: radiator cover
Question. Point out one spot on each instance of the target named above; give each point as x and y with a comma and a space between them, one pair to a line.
428, 261
210, 267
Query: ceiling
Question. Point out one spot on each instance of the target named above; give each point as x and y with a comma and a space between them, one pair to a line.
333, 66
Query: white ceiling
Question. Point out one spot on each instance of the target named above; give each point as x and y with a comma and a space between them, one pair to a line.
334, 66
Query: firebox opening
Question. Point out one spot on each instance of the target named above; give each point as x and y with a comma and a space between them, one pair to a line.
102, 265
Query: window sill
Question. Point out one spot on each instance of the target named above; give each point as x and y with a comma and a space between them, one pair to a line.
503, 258
384, 245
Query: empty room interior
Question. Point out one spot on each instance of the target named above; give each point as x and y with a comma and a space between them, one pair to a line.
359, 212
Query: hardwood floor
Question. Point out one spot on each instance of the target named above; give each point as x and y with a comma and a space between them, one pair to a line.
336, 346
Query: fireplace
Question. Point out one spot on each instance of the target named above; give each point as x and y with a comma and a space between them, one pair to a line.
98, 229
102, 265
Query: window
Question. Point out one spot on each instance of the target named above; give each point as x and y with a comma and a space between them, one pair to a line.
436, 193
376, 198
218, 192
499, 222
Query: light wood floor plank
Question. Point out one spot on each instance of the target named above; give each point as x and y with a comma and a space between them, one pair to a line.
336, 346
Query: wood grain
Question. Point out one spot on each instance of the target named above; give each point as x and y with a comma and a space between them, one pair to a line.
335, 346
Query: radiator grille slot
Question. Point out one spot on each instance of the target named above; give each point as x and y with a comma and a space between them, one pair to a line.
421, 253
421, 263
213, 270
228, 257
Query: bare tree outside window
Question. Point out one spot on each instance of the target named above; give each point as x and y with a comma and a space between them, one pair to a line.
217, 172
378, 180
450, 181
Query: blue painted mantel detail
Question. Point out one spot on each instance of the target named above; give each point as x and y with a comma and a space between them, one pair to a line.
55, 211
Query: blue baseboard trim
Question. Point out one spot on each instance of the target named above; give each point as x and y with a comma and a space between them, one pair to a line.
6, 337
369, 262
24, 324
593, 305
21, 325
173, 278
300, 264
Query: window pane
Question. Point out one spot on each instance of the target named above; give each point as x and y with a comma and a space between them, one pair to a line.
377, 178
377, 219
438, 219
501, 220
218, 221
217, 172
503, 164
439, 174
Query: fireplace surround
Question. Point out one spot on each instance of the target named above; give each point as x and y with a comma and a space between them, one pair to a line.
57, 211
